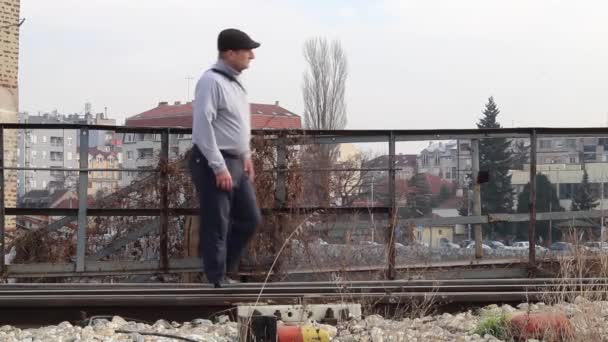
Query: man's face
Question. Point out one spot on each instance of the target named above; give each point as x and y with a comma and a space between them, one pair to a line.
239, 59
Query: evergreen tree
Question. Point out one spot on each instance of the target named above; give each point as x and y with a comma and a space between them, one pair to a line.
546, 201
521, 153
445, 192
584, 197
495, 157
419, 201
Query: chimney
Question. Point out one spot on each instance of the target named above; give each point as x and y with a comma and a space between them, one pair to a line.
276, 103
177, 103
163, 103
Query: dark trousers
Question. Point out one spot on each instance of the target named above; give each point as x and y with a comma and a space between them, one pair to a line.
228, 219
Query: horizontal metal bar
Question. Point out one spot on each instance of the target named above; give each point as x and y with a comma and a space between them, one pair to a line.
117, 129
437, 221
432, 134
181, 211
102, 268
330, 170
74, 212
456, 136
17, 168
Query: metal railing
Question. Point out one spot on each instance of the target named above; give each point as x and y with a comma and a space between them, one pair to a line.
280, 139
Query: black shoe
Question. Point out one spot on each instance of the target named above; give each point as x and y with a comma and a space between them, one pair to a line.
217, 285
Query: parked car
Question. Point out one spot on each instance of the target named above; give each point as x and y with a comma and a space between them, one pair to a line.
483, 246
596, 246
524, 245
450, 245
561, 247
370, 243
495, 244
465, 243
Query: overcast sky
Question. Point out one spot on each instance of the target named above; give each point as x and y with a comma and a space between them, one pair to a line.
413, 64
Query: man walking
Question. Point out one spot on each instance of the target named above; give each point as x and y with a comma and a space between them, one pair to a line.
221, 158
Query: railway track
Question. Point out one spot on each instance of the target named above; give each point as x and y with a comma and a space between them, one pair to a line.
450, 291
39, 304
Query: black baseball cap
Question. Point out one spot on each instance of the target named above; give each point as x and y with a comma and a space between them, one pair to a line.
233, 39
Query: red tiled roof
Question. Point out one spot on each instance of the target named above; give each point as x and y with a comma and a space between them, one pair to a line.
263, 116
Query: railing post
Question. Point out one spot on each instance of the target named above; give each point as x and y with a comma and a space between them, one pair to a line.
393, 212
83, 184
476, 197
164, 201
280, 196
532, 224
2, 220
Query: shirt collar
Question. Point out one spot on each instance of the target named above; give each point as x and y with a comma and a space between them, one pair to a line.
227, 68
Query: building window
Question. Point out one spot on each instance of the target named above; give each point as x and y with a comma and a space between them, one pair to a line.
425, 160
56, 173
57, 156
145, 153
437, 159
545, 144
571, 143
572, 160
440, 232
43, 184
33, 139
567, 190
34, 154
130, 155
70, 141
44, 139
56, 141
589, 152
69, 155
43, 155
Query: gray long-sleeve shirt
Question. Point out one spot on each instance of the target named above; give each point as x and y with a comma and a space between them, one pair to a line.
221, 118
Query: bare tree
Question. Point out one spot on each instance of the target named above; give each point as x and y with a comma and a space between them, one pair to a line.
324, 85
323, 91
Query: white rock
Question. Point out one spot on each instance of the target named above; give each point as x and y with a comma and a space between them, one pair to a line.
377, 335
508, 309
223, 319
118, 321
162, 324
198, 322
65, 325
136, 337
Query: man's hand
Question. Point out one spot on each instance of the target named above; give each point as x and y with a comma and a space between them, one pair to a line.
224, 180
248, 168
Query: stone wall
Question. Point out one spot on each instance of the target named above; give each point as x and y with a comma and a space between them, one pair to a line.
9, 94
